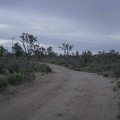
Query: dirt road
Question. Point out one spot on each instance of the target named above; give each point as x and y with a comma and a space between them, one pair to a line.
62, 95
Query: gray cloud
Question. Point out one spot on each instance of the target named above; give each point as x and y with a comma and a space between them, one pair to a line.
88, 24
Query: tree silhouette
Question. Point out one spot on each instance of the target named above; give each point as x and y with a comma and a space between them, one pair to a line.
3, 51
49, 50
66, 48
29, 45
17, 49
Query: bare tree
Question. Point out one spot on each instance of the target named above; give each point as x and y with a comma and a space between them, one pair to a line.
66, 48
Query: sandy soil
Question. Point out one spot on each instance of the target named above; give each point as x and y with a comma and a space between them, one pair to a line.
62, 95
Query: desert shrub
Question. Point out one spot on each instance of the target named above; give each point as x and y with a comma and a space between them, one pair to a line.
76, 69
116, 73
29, 77
105, 67
15, 79
105, 74
99, 73
61, 63
48, 69
45, 68
37, 67
118, 116
66, 65
1, 67
98, 69
29, 69
3, 82
83, 65
13, 68
5, 71
114, 88
118, 84
88, 69
53, 61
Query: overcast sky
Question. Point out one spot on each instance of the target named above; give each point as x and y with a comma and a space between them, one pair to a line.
87, 24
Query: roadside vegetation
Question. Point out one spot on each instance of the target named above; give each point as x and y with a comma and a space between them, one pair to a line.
20, 65
102, 63
16, 71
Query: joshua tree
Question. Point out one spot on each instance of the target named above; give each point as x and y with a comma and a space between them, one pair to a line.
29, 45
77, 55
49, 50
3, 51
17, 49
66, 48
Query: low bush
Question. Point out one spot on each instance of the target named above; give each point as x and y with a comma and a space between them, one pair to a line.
88, 69
76, 69
105, 74
118, 116
99, 70
37, 67
53, 62
45, 68
66, 65
48, 69
13, 68
3, 82
18, 71
5, 71
29, 77
15, 79
118, 84
114, 89
116, 73
1, 67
